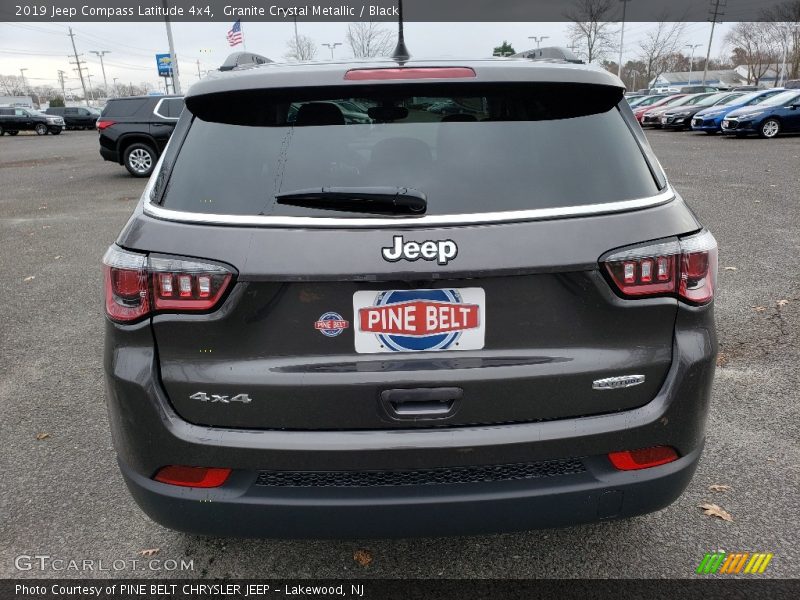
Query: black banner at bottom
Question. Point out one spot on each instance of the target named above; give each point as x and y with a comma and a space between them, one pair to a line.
410, 589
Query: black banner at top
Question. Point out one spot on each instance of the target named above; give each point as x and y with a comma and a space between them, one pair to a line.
386, 10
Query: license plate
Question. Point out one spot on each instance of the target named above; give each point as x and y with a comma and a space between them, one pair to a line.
419, 320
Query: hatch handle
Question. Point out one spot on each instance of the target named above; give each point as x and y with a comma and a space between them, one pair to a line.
421, 403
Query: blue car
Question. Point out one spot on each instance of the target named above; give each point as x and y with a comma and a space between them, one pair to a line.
710, 119
779, 114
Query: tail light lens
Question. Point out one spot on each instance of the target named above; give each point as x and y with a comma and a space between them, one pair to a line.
103, 123
644, 458
199, 477
686, 268
137, 285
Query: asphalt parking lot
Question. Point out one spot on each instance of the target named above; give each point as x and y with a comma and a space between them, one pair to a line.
62, 496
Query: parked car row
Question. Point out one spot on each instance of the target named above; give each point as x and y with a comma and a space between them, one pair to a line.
76, 117
766, 113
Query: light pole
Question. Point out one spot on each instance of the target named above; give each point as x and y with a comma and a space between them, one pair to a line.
116, 89
691, 60
332, 46
538, 39
24, 84
91, 89
622, 37
100, 53
634, 72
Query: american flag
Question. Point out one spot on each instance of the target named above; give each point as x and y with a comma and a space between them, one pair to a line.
235, 34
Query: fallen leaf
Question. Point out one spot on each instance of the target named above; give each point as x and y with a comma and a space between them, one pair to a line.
758, 201
722, 359
30, 278
718, 487
42, 436
730, 268
780, 303
149, 551
759, 308
58, 257
714, 510
362, 557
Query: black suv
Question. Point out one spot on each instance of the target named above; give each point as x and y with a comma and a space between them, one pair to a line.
488, 320
76, 117
15, 119
134, 131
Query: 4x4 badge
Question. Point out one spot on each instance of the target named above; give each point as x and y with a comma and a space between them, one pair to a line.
442, 251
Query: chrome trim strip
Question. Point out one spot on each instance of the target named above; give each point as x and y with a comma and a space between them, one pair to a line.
537, 214
158, 107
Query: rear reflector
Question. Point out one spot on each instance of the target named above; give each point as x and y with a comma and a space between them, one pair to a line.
686, 268
409, 73
103, 123
136, 286
644, 458
199, 477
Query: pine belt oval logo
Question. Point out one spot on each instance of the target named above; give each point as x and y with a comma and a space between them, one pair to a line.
419, 320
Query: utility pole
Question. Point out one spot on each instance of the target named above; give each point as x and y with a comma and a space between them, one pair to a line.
332, 46
61, 81
91, 89
622, 37
538, 40
716, 13
100, 53
176, 84
78, 63
116, 89
691, 59
24, 83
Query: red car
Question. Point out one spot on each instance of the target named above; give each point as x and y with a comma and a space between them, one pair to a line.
639, 112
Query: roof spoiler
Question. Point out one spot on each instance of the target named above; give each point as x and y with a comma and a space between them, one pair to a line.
550, 53
243, 60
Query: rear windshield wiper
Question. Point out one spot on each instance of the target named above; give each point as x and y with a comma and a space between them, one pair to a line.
373, 200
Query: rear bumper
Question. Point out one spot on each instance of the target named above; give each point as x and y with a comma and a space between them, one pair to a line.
108, 154
244, 510
148, 434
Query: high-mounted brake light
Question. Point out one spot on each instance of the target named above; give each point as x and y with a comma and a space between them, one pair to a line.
103, 123
409, 73
199, 477
686, 268
136, 285
644, 458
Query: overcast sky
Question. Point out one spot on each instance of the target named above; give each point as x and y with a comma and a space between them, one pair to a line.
42, 48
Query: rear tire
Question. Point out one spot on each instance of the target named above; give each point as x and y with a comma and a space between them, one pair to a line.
40, 129
769, 129
139, 159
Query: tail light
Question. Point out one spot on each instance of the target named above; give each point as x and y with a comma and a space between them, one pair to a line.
103, 123
199, 477
686, 268
409, 73
137, 285
644, 458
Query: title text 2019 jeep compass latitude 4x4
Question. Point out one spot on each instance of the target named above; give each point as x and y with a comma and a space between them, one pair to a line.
421, 324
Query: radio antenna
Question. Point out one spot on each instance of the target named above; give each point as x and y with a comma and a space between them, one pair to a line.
400, 53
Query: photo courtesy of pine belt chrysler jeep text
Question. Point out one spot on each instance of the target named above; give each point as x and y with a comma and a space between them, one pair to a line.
376, 299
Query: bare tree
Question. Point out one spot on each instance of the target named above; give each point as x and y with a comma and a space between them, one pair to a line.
592, 31
11, 85
300, 48
785, 21
367, 39
659, 50
758, 45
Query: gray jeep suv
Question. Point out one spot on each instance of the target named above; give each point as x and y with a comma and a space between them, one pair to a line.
414, 323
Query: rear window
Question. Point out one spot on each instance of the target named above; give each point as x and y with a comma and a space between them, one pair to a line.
469, 148
123, 108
